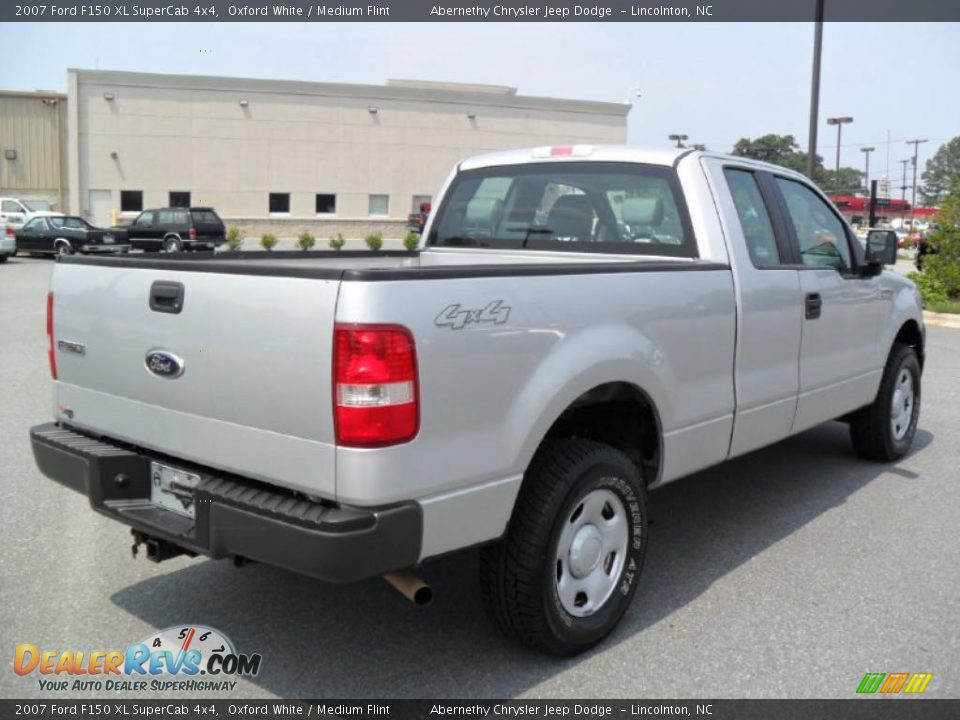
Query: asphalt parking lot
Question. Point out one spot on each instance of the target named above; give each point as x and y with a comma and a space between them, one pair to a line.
786, 573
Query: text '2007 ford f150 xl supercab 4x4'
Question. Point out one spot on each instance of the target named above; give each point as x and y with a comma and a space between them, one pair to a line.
580, 325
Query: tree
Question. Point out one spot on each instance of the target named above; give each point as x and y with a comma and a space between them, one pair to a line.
784, 150
942, 263
941, 169
777, 149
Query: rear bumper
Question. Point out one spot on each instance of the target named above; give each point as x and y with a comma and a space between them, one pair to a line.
234, 517
96, 248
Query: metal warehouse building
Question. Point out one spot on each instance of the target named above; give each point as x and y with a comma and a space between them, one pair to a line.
287, 155
33, 142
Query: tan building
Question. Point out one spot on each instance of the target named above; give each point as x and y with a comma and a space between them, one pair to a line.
286, 155
33, 133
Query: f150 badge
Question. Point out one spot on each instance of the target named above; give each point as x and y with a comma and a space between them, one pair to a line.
164, 364
456, 319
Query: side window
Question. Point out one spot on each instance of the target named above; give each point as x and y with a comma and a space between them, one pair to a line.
145, 220
757, 228
35, 224
820, 233
9, 206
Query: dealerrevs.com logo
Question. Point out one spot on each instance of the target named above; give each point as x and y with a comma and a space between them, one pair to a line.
183, 658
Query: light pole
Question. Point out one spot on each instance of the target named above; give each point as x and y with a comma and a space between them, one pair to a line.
866, 175
815, 88
913, 197
678, 138
839, 122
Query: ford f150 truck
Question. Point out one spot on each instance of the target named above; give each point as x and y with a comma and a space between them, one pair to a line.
581, 324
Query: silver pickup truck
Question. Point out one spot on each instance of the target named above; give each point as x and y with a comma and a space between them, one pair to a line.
580, 325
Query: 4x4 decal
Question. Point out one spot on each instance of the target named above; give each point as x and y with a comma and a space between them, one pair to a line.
456, 319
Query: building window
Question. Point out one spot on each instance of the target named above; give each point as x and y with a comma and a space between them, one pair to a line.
419, 200
326, 203
279, 202
131, 200
379, 205
179, 199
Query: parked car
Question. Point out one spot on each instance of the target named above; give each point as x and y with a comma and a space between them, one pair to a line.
8, 243
517, 385
176, 229
15, 212
68, 234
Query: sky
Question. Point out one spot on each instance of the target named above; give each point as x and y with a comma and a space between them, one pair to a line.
715, 82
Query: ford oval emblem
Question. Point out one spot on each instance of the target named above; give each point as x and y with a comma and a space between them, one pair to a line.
164, 364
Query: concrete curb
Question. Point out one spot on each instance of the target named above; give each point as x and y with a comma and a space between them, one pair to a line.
948, 320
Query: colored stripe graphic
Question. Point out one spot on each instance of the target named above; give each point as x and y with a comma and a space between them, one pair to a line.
894, 682
871, 682
918, 683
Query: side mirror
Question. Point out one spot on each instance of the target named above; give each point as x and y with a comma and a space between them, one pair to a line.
881, 247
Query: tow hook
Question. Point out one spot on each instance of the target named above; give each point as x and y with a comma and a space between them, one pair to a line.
157, 550
410, 586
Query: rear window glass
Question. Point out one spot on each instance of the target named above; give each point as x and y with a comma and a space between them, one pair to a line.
72, 223
205, 217
575, 206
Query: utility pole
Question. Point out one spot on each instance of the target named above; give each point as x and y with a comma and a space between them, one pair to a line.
866, 175
678, 138
913, 199
815, 89
903, 186
839, 122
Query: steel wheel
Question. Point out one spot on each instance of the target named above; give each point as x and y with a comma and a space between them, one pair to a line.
901, 405
591, 552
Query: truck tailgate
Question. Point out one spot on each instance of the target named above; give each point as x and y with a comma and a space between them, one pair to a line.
254, 396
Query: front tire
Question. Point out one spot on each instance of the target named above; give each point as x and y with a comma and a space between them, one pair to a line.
565, 572
64, 248
172, 245
885, 429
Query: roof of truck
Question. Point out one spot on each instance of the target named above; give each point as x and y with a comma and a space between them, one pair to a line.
600, 153
609, 153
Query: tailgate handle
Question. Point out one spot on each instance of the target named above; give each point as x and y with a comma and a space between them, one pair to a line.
166, 297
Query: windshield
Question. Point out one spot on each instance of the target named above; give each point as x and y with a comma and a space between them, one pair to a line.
38, 205
70, 223
574, 206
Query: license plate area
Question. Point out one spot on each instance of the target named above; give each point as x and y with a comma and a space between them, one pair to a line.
174, 489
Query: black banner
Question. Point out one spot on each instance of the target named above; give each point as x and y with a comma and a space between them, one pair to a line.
854, 709
482, 11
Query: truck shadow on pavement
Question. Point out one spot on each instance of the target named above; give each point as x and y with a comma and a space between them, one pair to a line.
365, 640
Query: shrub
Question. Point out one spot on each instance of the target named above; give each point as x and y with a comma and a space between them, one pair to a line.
932, 290
306, 240
268, 241
235, 238
411, 241
337, 241
374, 241
942, 262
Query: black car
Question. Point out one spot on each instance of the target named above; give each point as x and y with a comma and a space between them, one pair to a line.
176, 229
67, 234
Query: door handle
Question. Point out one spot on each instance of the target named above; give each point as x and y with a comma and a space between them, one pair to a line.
166, 297
813, 303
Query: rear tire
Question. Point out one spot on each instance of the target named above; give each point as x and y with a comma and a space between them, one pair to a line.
3, 258
884, 430
565, 571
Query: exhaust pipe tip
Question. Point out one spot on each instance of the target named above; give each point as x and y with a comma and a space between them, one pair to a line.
410, 586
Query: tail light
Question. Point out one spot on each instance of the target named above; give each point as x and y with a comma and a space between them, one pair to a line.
192, 233
51, 353
9, 232
376, 399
